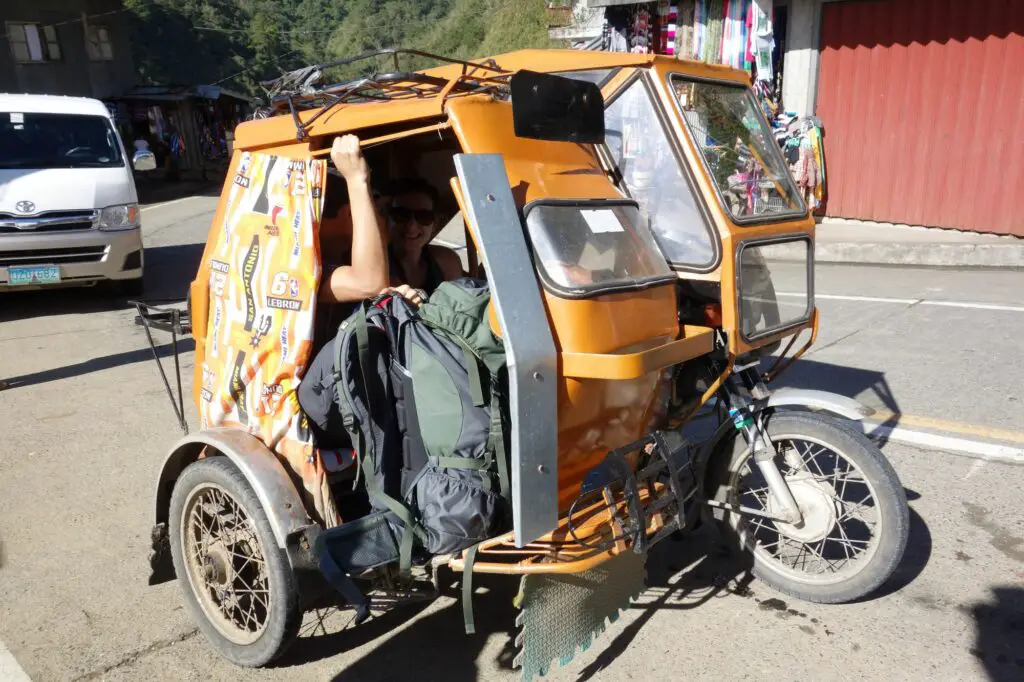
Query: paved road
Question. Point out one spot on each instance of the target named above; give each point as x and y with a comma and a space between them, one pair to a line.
85, 423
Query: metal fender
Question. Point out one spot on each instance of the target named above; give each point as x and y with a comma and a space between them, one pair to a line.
819, 400
266, 475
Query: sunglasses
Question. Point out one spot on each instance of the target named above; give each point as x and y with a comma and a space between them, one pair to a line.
403, 215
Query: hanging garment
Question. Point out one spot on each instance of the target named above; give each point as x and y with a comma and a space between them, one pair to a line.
748, 54
807, 173
685, 31
712, 53
672, 30
731, 49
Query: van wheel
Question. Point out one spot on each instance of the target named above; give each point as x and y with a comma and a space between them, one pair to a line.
238, 584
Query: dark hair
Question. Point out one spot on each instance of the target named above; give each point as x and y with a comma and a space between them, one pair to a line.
403, 186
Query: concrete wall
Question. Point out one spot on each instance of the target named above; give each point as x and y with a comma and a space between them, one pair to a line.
74, 73
800, 69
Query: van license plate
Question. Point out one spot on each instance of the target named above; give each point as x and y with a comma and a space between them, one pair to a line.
33, 274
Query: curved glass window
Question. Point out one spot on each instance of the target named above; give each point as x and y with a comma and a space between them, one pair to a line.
643, 155
592, 247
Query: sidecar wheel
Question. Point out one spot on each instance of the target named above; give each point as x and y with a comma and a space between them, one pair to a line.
238, 584
856, 519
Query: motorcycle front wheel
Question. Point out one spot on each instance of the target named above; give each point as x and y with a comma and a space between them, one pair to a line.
855, 522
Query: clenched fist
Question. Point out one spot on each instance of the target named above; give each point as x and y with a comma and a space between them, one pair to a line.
349, 160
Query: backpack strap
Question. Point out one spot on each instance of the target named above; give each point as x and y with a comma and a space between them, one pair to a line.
496, 438
410, 527
469, 558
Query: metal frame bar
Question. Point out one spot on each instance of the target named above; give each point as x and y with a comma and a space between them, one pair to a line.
529, 345
170, 320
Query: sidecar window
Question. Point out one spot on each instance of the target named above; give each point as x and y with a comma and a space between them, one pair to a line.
587, 248
642, 152
738, 149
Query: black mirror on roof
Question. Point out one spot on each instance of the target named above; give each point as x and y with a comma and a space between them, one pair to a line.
557, 109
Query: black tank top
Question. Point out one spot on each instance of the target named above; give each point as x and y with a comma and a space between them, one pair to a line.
434, 275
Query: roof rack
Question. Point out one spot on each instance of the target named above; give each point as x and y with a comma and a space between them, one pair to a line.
302, 89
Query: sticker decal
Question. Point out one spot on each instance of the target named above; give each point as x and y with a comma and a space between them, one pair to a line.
252, 257
283, 303
237, 387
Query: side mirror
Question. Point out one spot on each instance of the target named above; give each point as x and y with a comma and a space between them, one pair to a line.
557, 109
143, 160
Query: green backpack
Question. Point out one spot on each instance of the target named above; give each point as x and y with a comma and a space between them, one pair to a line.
423, 395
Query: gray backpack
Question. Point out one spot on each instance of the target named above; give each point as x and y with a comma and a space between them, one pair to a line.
422, 393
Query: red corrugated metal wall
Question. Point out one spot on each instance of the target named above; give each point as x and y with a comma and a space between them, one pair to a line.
922, 102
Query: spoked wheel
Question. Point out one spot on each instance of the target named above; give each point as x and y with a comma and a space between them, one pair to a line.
237, 582
855, 516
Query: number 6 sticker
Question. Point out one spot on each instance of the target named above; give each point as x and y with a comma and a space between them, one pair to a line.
280, 284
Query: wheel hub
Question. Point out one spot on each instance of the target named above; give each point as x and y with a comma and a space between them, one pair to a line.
217, 566
817, 503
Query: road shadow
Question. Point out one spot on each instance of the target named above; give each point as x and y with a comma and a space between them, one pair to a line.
24, 305
867, 386
915, 557
713, 572
681, 574
999, 634
168, 272
93, 365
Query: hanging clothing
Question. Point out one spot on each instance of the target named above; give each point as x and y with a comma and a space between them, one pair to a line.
686, 29
715, 25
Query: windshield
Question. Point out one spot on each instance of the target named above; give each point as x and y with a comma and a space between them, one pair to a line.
738, 149
642, 153
31, 140
586, 247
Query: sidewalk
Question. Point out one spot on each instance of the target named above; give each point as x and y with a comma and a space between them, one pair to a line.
844, 241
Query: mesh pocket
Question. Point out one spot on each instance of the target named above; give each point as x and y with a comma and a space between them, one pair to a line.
455, 510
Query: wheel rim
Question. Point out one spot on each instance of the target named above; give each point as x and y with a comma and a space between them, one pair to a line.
842, 528
226, 566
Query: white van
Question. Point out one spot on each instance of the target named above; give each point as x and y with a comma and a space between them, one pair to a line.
69, 212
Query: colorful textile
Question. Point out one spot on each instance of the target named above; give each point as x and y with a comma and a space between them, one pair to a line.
685, 32
264, 271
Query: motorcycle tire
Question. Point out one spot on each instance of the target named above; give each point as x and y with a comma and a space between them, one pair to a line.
879, 478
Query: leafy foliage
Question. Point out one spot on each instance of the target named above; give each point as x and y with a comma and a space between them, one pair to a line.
237, 43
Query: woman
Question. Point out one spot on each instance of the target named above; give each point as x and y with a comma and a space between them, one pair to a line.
412, 222
351, 274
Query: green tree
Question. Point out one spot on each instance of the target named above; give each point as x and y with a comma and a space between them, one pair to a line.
241, 42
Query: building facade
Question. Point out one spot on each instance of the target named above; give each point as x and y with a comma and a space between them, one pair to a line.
65, 47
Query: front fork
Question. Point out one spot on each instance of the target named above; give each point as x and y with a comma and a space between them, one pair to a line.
749, 421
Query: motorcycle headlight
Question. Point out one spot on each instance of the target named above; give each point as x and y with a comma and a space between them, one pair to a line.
122, 217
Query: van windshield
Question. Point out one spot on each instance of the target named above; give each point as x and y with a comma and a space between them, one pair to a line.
37, 140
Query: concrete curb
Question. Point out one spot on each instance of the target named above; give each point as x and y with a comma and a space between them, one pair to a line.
1002, 256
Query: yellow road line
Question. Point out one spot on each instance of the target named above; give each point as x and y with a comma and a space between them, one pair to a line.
909, 420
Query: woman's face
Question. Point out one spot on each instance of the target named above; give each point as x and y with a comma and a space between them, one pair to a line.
411, 220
